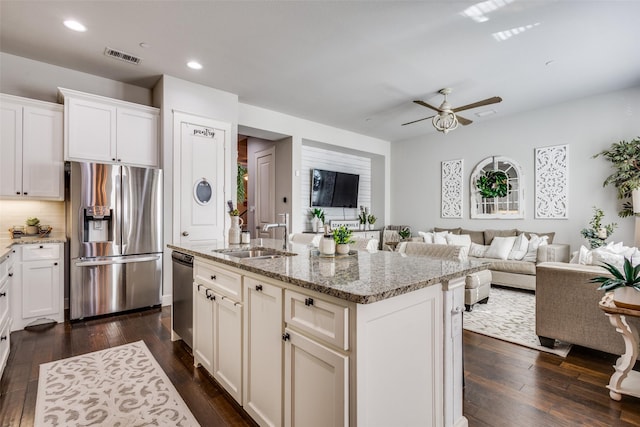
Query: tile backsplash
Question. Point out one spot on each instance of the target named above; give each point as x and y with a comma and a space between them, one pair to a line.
16, 212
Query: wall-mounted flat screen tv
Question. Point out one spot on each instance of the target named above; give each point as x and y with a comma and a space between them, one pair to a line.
334, 189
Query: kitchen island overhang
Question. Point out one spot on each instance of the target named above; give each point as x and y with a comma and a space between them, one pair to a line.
400, 358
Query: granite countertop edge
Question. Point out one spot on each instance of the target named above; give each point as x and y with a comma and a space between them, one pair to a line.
357, 298
6, 244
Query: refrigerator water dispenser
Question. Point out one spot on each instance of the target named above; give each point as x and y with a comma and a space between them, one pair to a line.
98, 224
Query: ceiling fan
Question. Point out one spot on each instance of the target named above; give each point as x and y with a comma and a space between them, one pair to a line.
446, 119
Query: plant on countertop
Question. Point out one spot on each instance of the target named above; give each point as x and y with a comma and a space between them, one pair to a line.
597, 234
342, 236
371, 219
405, 233
32, 221
625, 159
629, 277
493, 184
362, 217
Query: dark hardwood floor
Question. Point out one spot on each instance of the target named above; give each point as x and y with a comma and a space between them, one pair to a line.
506, 384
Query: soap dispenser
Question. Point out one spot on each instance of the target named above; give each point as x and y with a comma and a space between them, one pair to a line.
327, 244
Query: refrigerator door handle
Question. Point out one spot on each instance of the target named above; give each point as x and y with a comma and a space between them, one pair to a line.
94, 262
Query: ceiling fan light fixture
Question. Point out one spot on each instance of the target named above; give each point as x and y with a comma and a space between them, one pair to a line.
445, 121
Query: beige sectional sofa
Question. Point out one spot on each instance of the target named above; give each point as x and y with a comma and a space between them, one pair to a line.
567, 308
514, 273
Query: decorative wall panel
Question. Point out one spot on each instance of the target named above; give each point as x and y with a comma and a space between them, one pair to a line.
452, 188
552, 182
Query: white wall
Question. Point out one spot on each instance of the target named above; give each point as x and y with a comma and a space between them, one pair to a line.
587, 125
302, 132
38, 80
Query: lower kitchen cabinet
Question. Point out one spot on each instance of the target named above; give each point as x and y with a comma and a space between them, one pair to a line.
6, 286
217, 335
263, 352
316, 382
37, 296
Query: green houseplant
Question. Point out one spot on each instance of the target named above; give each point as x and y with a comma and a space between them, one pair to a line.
32, 225
317, 219
625, 284
597, 234
371, 219
625, 159
405, 233
342, 237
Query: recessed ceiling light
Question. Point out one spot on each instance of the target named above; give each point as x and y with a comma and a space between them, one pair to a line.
75, 25
486, 113
145, 45
194, 65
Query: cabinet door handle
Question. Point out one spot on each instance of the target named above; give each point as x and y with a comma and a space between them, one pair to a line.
213, 277
286, 336
10, 274
119, 160
3, 338
113, 159
3, 294
41, 247
55, 263
17, 192
185, 233
258, 287
308, 301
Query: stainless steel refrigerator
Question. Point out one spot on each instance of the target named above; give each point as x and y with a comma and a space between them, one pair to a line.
114, 216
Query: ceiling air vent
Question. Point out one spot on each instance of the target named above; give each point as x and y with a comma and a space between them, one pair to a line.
122, 56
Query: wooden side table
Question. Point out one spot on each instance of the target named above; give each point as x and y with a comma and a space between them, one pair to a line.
624, 380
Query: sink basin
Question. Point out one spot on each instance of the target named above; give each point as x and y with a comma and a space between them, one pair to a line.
254, 253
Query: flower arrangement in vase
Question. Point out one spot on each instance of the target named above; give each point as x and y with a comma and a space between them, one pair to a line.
597, 234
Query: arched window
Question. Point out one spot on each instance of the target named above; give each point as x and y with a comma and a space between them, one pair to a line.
497, 189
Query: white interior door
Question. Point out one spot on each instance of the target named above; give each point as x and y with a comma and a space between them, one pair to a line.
201, 186
265, 187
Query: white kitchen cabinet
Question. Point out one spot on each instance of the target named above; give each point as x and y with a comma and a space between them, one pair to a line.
106, 130
37, 296
316, 390
217, 343
6, 279
31, 166
263, 352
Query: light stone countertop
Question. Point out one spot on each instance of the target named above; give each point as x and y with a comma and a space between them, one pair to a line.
7, 243
363, 278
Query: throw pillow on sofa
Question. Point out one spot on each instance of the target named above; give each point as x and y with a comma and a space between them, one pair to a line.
477, 250
458, 240
500, 247
520, 247
437, 237
535, 241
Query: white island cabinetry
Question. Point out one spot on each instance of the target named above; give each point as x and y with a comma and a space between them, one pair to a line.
106, 130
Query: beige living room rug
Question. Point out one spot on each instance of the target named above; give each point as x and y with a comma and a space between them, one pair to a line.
510, 315
119, 386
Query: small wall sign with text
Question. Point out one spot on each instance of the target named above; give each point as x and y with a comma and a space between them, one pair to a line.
203, 131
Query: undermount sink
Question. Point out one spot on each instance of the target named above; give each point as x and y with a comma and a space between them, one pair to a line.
254, 253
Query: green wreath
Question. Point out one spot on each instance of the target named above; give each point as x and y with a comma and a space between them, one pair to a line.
493, 184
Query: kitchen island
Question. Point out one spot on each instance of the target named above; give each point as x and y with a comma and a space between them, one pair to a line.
368, 339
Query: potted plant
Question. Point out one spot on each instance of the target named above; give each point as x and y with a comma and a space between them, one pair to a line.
405, 233
342, 237
624, 284
317, 219
32, 225
371, 219
362, 218
597, 234
625, 159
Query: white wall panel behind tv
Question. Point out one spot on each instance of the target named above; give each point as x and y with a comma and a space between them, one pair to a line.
319, 158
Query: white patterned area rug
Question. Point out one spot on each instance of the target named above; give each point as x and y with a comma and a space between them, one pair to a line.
119, 386
510, 315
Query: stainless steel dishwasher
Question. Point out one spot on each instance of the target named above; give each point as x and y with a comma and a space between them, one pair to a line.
183, 296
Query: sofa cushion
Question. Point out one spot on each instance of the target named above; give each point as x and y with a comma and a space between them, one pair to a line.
510, 266
520, 247
476, 236
477, 250
490, 234
459, 240
500, 247
529, 233
450, 230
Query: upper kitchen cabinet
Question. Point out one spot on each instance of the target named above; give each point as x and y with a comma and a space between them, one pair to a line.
106, 130
31, 165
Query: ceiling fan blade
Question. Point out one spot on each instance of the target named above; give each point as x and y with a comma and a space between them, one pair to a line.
463, 121
424, 104
488, 101
416, 121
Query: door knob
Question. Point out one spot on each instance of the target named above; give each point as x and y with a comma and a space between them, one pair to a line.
185, 233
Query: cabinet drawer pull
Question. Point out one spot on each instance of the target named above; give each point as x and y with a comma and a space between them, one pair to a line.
41, 247
286, 336
17, 192
55, 263
25, 193
113, 160
308, 301
3, 294
3, 338
258, 287
213, 277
